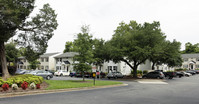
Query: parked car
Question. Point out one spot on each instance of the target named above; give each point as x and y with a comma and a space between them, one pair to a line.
179, 74
78, 74
191, 72
197, 71
87, 74
72, 74
61, 73
100, 74
20, 71
168, 75
45, 74
51, 71
115, 75
186, 74
154, 74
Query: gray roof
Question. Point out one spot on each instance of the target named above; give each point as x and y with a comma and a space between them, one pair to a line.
195, 55
48, 54
67, 54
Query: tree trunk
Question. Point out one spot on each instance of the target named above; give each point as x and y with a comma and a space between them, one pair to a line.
5, 72
128, 63
83, 76
132, 67
135, 71
153, 66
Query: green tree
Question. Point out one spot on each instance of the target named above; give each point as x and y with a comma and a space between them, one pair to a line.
191, 48
84, 48
12, 53
34, 64
70, 47
133, 43
99, 52
172, 55
34, 32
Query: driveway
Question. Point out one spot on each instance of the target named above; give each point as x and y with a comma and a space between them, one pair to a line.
176, 91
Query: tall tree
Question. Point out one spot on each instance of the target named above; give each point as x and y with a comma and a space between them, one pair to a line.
34, 32
84, 48
133, 43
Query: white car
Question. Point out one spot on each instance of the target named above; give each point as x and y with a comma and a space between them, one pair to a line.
186, 74
61, 73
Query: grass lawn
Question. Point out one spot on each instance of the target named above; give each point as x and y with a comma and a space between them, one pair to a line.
63, 84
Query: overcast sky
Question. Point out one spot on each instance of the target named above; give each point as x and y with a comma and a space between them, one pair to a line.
179, 19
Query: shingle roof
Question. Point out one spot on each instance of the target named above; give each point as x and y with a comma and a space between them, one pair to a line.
48, 54
67, 54
195, 55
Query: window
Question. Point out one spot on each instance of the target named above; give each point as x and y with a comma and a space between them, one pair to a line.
24, 67
46, 59
185, 66
115, 68
57, 68
42, 59
109, 67
46, 67
24, 60
197, 66
42, 67
197, 59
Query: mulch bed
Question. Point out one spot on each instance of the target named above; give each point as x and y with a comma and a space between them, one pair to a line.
43, 86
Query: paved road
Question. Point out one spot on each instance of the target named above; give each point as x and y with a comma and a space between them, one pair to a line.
177, 91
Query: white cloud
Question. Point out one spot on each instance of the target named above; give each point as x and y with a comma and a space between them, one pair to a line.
178, 18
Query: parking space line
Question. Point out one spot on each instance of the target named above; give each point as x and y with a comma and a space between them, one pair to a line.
149, 82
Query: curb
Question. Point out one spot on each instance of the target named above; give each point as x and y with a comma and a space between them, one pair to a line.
15, 94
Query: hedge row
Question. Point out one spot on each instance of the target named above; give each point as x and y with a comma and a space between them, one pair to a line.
19, 79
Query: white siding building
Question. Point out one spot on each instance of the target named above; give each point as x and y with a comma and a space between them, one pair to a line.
46, 60
190, 61
65, 61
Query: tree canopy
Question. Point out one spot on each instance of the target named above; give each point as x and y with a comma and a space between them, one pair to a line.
84, 48
33, 33
191, 48
133, 43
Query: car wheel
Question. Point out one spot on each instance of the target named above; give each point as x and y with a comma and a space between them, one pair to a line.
48, 77
61, 74
144, 77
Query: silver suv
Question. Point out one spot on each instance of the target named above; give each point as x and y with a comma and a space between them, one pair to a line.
115, 75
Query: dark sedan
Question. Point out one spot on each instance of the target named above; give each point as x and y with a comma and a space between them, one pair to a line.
155, 74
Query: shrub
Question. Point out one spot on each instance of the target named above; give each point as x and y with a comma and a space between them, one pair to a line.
32, 85
24, 85
15, 86
38, 86
5, 86
19, 79
180, 69
12, 69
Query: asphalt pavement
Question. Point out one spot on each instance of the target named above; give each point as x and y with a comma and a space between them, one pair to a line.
176, 91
